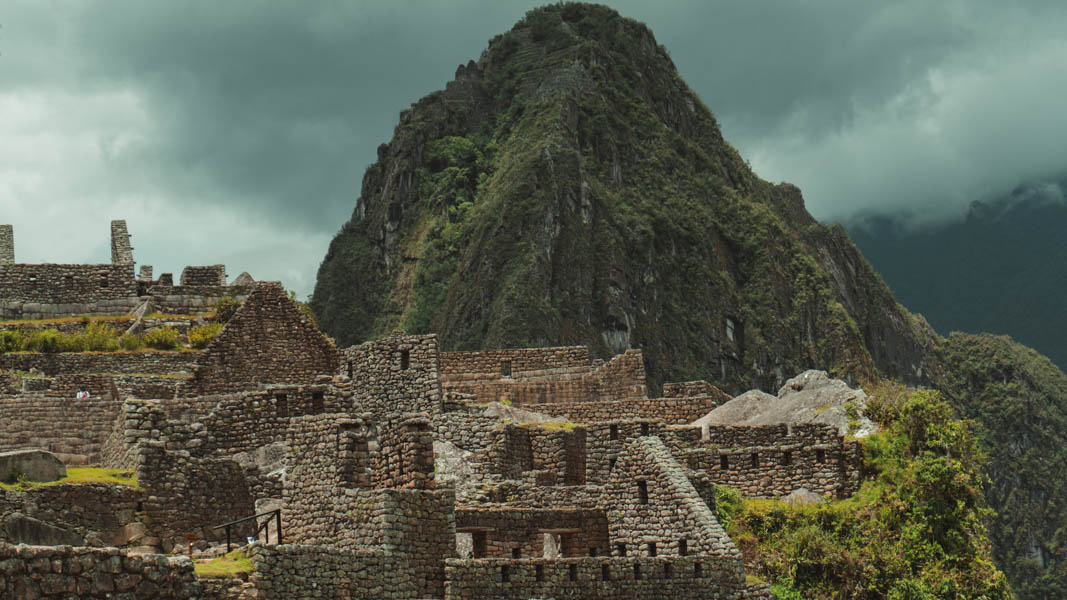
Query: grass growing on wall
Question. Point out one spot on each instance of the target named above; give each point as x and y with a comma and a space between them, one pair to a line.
78, 475
916, 530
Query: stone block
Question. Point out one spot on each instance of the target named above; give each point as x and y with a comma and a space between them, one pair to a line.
35, 465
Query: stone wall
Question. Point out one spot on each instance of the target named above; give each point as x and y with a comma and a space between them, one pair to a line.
268, 340
94, 574
639, 578
675, 411
88, 514
121, 250
404, 457
653, 509
187, 493
775, 460
522, 363
295, 572
73, 429
7, 245
546, 375
608, 439
190, 299
328, 500
47, 291
65, 363
510, 532
395, 374
208, 276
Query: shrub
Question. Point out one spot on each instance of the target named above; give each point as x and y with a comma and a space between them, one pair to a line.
99, 337
11, 341
200, 337
225, 308
131, 343
164, 338
44, 340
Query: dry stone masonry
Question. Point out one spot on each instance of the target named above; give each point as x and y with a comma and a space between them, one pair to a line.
45, 291
400, 471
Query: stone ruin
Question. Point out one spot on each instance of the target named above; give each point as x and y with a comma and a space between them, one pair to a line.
400, 471
48, 290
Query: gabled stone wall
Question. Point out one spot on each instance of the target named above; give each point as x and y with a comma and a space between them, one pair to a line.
653, 509
268, 340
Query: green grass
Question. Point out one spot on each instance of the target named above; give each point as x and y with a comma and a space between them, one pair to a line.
227, 566
78, 476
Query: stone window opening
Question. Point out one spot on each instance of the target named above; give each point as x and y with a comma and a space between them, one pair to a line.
592, 552
282, 403
405, 360
644, 428
613, 432
683, 547
505, 368
351, 371
611, 463
668, 571
698, 570
572, 572
479, 544
539, 573
652, 549
637, 570
33, 278
755, 459
724, 462
318, 403
505, 573
516, 553
787, 458
605, 573
642, 491
620, 549
820, 455
103, 281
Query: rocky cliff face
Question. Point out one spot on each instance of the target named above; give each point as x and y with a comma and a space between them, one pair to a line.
569, 188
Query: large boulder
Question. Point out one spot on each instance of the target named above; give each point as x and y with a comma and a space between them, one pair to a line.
811, 397
20, 529
35, 465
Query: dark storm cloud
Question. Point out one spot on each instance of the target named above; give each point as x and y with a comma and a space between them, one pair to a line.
241, 130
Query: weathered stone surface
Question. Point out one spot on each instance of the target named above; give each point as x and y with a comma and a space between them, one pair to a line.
21, 529
33, 464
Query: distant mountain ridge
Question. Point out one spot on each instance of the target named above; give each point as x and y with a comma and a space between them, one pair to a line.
569, 188
1003, 269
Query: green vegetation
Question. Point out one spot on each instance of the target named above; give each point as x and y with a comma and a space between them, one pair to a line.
162, 338
79, 475
225, 308
1019, 400
227, 566
200, 337
916, 529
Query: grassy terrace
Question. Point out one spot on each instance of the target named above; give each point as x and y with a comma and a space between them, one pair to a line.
225, 567
78, 476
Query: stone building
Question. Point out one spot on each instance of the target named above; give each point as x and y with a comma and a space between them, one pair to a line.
49, 290
399, 471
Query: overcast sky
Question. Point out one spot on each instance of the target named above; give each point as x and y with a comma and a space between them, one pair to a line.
238, 132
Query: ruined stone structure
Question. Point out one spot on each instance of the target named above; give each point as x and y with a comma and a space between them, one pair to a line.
392, 478
43, 291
